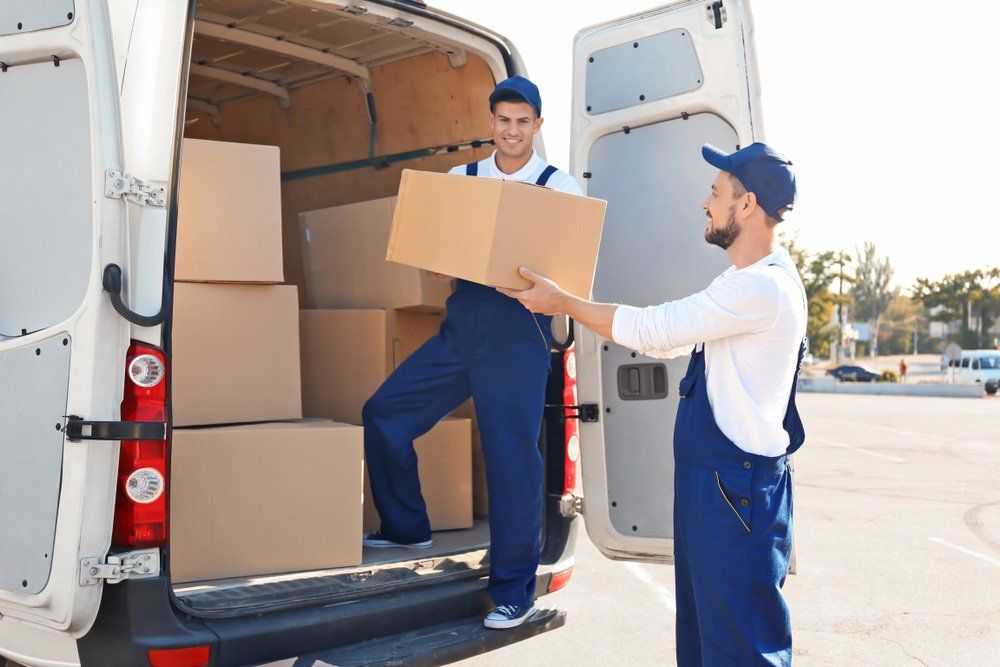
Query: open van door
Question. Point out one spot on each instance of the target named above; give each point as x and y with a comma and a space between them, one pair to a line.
63, 192
648, 91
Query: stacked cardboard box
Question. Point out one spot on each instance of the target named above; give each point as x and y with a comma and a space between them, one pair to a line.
367, 316
266, 496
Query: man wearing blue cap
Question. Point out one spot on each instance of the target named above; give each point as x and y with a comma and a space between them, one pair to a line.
736, 422
491, 348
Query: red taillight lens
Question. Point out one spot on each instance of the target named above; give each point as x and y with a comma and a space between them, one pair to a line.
559, 580
191, 656
572, 436
141, 500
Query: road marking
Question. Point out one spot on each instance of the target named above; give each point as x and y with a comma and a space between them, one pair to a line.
967, 552
869, 452
879, 455
665, 596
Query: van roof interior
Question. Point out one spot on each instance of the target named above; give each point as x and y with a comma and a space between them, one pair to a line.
349, 97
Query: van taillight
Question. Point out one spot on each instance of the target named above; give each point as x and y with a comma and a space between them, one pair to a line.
141, 499
572, 435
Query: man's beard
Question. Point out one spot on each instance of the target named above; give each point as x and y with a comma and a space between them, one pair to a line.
724, 237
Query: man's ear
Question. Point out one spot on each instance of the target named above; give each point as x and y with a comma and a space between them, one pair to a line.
493, 122
538, 123
749, 204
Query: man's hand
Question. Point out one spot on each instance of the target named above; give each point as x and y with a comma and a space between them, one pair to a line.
544, 296
440, 277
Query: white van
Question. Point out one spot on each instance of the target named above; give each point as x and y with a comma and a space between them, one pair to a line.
95, 98
978, 366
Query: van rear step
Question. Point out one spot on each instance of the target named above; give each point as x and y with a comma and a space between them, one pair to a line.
435, 645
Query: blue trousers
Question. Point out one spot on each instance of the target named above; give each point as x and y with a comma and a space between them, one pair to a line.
732, 538
488, 347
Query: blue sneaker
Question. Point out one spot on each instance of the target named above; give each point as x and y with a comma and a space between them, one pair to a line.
377, 540
508, 616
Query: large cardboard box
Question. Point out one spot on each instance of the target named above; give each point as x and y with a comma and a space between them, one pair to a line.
235, 354
265, 498
483, 229
343, 250
445, 467
347, 354
229, 213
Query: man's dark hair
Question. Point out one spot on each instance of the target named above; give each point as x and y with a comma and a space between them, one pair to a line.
510, 96
739, 190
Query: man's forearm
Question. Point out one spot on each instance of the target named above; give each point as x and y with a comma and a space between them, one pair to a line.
598, 317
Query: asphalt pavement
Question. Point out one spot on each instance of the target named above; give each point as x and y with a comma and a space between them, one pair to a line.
897, 512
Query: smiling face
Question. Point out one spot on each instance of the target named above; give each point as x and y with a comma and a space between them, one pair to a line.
722, 228
514, 124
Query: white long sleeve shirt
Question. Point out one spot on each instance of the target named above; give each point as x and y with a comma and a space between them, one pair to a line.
752, 322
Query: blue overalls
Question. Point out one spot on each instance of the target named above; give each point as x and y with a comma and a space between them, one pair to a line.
732, 536
489, 347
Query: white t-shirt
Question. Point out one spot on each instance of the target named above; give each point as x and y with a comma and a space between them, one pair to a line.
752, 322
530, 172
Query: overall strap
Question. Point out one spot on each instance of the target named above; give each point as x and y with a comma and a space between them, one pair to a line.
472, 169
544, 178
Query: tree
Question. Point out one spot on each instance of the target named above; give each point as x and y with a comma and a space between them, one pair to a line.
843, 298
817, 271
872, 290
960, 295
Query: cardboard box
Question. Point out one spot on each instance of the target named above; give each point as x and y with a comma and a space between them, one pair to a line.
347, 354
235, 354
343, 252
483, 229
265, 499
229, 213
445, 467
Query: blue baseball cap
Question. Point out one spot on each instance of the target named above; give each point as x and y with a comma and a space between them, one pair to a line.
762, 171
523, 88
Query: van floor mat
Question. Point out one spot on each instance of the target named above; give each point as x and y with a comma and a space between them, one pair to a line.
304, 589
434, 645
455, 554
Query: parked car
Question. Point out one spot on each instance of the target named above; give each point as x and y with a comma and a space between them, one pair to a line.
99, 96
846, 373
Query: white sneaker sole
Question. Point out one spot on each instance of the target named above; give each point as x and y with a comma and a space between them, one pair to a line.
386, 544
506, 625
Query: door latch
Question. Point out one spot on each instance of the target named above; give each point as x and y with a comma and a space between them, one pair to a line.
570, 505
587, 412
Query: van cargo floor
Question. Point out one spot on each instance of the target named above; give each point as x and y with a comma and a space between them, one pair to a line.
455, 554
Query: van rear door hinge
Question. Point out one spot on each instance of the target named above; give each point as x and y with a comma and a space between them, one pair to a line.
119, 185
716, 12
570, 505
119, 567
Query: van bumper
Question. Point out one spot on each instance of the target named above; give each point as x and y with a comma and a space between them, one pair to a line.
138, 615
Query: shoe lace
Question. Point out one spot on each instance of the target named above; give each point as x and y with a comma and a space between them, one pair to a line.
507, 610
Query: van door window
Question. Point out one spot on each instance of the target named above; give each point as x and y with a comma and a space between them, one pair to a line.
46, 211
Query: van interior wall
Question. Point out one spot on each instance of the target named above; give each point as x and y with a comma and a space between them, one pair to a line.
421, 102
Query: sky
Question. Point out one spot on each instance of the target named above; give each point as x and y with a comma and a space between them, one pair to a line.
886, 109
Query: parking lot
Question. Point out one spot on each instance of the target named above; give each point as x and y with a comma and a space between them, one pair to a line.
897, 537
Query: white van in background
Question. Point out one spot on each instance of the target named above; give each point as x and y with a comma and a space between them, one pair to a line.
95, 99
980, 367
